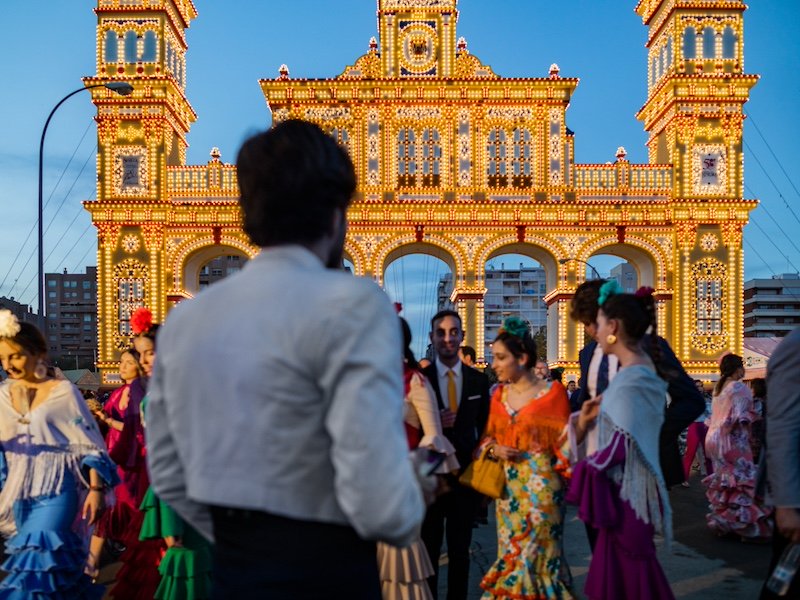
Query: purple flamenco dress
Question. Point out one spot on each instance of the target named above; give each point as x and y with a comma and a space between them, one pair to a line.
620, 492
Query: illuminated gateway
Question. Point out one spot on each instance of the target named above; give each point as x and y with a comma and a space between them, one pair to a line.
453, 161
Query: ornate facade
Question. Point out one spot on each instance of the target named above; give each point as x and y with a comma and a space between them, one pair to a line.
453, 160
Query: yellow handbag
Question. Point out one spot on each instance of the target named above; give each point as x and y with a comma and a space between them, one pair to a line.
486, 475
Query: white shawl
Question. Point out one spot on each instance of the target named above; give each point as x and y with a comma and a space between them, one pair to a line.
633, 405
43, 445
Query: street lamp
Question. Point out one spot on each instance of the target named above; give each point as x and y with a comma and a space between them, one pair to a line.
564, 261
123, 88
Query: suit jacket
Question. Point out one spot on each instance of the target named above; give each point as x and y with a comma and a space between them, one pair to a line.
473, 410
686, 403
783, 422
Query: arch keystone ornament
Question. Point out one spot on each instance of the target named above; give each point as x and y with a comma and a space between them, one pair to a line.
453, 160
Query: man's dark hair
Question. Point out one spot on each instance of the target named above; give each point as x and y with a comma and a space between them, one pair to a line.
445, 313
469, 351
583, 307
292, 178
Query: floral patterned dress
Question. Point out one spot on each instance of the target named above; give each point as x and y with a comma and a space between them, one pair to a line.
530, 512
731, 488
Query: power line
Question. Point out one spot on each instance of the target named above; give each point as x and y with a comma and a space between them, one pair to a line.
775, 221
47, 203
788, 260
52, 220
59, 266
777, 160
755, 157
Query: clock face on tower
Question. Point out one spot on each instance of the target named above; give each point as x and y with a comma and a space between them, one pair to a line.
418, 48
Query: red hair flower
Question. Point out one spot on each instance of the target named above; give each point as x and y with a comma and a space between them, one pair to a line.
141, 321
398, 307
644, 291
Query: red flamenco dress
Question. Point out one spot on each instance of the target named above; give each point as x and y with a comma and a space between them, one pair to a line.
138, 578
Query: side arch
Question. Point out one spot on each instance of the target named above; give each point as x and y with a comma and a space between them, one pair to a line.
190, 256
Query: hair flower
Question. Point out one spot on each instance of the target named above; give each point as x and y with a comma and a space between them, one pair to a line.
644, 291
515, 326
141, 321
9, 324
608, 289
398, 307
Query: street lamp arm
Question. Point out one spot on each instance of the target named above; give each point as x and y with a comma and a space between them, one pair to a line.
564, 261
123, 88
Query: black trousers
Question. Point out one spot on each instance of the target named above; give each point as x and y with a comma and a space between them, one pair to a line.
452, 515
259, 555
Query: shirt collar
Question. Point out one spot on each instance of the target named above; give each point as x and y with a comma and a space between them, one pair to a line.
442, 369
292, 253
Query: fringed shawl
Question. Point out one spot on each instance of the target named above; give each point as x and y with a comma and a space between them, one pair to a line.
633, 405
46, 447
536, 426
733, 405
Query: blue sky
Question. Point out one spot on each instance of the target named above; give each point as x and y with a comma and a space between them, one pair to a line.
50, 45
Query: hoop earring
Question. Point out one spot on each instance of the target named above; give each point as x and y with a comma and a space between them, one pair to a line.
611, 339
40, 371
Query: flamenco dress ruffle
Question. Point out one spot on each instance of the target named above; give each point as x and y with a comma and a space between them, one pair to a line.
46, 557
624, 563
138, 577
186, 569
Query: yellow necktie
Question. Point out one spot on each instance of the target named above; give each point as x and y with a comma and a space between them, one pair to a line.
451, 391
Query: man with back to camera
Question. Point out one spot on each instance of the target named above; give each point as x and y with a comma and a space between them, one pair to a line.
294, 475
462, 394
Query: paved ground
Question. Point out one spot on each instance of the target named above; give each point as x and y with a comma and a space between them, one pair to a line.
700, 567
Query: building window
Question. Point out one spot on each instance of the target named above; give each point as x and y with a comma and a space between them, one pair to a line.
341, 135
149, 50
521, 164
496, 148
112, 46
87, 285
431, 156
728, 43
52, 294
130, 296
131, 42
709, 307
709, 42
406, 158
51, 283
690, 43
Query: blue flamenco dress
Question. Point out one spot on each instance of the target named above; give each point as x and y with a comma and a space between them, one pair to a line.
46, 455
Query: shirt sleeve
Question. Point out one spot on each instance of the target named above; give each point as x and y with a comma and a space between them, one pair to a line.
163, 462
783, 422
374, 481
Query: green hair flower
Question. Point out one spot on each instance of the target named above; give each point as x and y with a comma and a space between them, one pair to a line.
608, 289
515, 326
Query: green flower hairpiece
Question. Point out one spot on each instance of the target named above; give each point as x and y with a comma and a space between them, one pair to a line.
515, 326
608, 289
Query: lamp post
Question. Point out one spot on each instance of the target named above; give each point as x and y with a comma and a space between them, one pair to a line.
564, 261
123, 88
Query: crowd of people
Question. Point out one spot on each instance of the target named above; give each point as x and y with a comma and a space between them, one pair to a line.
279, 439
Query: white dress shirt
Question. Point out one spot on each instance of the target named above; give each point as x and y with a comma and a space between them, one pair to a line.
594, 368
280, 389
444, 381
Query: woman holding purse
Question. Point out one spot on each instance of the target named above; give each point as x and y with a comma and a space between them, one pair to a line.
527, 417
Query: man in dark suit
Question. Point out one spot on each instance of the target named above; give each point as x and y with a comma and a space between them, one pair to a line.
597, 370
463, 397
